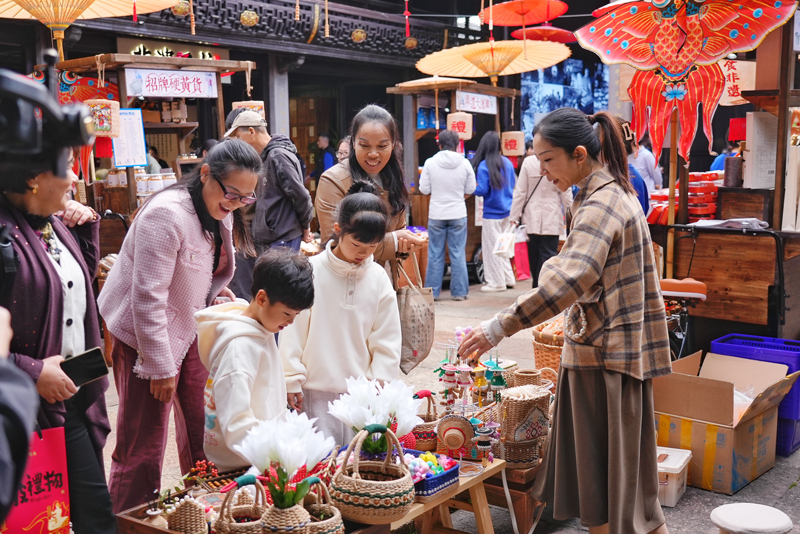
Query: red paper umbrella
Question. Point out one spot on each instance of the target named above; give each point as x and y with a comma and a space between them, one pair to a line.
524, 12
545, 32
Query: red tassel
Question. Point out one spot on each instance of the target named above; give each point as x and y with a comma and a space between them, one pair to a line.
406, 13
103, 147
135, 18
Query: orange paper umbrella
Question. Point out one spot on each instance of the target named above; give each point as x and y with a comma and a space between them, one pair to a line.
524, 12
493, 59
57, 15
545, 32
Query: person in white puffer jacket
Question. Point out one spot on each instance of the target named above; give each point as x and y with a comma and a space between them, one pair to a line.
236, 342
449, 179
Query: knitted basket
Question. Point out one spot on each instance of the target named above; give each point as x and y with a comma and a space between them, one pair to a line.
527, 377
293, 520
546, 349
522, 455
426, 432
429, 488
227, 523
370, 492
188, 517
525, 414
325, 517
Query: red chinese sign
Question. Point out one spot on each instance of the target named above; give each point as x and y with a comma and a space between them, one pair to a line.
458, 126
510, 144
168, 83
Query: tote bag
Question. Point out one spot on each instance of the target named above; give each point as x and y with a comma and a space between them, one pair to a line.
417, 318
42, 503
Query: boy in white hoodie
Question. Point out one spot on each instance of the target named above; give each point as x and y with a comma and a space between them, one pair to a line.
236, 342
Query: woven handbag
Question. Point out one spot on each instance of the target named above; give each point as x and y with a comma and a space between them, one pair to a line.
426, 432
373, 492
242, 519
325, 517
525, 414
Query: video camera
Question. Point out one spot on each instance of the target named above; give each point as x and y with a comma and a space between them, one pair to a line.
35, 131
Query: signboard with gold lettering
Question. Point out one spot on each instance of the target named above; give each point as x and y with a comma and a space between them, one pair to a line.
144, 47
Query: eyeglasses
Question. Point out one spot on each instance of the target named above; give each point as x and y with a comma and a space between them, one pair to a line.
235, 196
343, 154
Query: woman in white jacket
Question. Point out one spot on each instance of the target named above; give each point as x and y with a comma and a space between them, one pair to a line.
353, 328
539, 204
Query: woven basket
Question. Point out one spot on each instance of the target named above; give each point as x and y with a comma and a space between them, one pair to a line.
546, 349
294, 520
525, 420
370, 492
188, 517
522, 455
527, 377
228, 513
429, 488
426, 432
323, 507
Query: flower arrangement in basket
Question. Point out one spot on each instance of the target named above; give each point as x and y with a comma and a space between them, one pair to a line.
373, 492
367, 402
280, 449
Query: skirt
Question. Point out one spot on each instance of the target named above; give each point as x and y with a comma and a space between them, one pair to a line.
315, 404
601, 463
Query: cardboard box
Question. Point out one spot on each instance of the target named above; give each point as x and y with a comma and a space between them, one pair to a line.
695, 411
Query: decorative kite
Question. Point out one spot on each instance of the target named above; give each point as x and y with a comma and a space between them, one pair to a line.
74, 89
676, 45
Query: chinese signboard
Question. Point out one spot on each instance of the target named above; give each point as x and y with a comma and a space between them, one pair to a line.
476, 103
171, 83
739, 76
144, 47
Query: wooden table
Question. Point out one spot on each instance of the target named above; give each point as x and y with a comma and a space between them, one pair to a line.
436, 513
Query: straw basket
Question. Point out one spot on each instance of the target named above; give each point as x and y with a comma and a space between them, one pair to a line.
188, 517
522, 455
227, 523
546, 349
527, 377
370, 492
426, 432
323, 507
525, 413
292, 520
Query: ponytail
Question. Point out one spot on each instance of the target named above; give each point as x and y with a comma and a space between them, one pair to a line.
569, 128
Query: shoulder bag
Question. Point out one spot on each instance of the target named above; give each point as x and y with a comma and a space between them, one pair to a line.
417, 317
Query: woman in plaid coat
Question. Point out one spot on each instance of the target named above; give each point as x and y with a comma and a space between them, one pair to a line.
601, 464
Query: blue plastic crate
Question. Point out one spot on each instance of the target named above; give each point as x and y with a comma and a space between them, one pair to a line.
788, 439
766, 349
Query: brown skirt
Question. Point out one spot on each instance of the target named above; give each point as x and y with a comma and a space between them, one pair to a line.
601, 463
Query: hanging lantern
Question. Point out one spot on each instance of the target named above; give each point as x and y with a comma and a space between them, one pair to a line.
249, 18
252, 105
513, 143
411, 43
181, 9
461, 123
105, 114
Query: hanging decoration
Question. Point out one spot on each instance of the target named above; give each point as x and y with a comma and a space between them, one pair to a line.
328, 24
181, 9
545, 32
135, 16
513, 143
248, 18
411, 43
191, 16
359, 35
461, 123
526, 13
406, 14
297, 10
675, 47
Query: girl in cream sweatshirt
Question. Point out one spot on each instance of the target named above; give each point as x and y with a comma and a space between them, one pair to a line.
353, 329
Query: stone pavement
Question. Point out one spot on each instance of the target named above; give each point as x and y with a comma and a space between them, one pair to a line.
690, 516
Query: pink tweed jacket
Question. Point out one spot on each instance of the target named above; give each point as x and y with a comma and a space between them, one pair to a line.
161, 278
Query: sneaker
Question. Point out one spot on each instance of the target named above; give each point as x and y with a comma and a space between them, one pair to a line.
492, 289
511, 286
459, 299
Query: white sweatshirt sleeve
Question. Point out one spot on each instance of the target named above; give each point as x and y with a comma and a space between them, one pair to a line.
292, 345
386, 338
425, 180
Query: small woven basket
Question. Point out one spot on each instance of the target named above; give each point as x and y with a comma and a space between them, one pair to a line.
331, 522
293, 520
429, 488
189, 517
227, 523
527, 377
525, 414
426, 432
546, 348
373, 492
522, 455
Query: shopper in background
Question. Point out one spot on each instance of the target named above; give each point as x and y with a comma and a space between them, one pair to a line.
496, 178
153, 165
153, 151
542, 207
176, 259
375, 156
204, 149
645, 162
636, 179
56, 251
326, 158
282, 215
601, 462
449, 179
343, 152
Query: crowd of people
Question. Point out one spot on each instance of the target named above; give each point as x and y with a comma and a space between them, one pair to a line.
212, 313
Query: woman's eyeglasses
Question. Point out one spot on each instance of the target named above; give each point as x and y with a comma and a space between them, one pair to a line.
235, 196
343, 155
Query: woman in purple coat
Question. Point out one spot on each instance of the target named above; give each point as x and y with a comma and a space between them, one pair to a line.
55, 248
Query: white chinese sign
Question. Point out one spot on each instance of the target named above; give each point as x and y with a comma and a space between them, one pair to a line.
475, 103
130, 149
171, 83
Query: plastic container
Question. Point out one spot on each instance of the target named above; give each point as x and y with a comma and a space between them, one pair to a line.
766, 349
673, 470
788, 439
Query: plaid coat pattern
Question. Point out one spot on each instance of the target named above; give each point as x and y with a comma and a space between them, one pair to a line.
608, 268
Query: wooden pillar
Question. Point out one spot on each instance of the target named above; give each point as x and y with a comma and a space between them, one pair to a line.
786, 83
220, 111
278, 99
123, 103
673, 174
409, 140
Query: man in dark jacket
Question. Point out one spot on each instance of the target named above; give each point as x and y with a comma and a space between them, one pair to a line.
282, 214
327, 156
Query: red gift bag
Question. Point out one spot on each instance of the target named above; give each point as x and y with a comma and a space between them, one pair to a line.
521, 261
42, 503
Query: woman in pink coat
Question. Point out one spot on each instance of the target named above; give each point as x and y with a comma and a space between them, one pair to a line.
177, 258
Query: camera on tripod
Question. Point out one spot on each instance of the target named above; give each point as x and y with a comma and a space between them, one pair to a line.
36, 133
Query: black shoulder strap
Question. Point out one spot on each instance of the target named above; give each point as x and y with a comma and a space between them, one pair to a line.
8, 262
